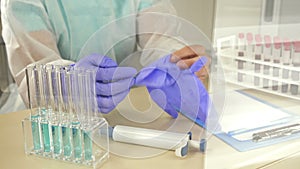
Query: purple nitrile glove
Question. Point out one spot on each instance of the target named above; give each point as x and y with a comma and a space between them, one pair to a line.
112, 82
176, 90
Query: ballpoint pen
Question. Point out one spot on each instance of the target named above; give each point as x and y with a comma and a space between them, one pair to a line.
276, 132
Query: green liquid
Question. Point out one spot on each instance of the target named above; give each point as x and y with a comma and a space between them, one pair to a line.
56, 130
35, 133
67, 145
88, 146
46, 137
76, 133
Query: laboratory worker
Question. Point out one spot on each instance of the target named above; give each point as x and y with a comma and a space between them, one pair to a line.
115, 36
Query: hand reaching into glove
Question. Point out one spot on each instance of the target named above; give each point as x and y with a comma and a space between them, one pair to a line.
174, 89
112, 82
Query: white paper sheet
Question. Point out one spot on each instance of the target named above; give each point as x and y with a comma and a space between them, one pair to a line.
242, 113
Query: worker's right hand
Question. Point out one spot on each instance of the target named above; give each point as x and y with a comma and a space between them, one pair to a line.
112, 82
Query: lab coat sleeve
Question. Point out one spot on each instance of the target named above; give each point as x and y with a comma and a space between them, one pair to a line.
158, 31
28, 38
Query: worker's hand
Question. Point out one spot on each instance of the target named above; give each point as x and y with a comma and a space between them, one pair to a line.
187, 56
175, 89
112, 82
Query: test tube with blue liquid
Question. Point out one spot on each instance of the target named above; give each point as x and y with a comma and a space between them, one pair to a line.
57, 112
46, 109
91, 112
67, 109
85, 112
32, 77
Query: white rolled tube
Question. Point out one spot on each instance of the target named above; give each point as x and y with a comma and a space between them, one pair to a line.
148, 137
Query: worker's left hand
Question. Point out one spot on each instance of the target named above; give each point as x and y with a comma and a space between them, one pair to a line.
112, 82
187, 56
175, 89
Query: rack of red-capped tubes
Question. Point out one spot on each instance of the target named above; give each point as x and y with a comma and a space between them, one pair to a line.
263, 62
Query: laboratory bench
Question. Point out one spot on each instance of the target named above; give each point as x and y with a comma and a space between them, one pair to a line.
217, 155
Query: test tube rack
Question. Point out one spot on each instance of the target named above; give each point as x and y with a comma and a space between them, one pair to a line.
229, 65
68, 142
64, 123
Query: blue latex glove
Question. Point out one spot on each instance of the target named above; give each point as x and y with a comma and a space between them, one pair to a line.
112, 82
174, 89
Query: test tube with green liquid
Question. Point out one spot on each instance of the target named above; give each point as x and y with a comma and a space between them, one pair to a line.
45, 110
34, 96
90, 112
56, 114
75, 117
88, 146
86, 94
67, 91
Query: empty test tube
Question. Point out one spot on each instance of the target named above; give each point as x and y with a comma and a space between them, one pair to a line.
267, 58
286, 56
296, 63
257, 56
276, 59
241, 53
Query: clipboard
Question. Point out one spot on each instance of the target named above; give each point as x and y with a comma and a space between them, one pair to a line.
238, 122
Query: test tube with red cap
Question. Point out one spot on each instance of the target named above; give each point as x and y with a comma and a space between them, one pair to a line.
286, 58
267, 55
296, 63
276, 52
257, 56
249, 47
241, 53
249, 50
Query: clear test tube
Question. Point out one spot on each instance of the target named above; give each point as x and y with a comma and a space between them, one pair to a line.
34, 97
91, 113
85, 113
66, 76
45, 119
267, 58
241, 53
257, 56
276, 52
94, 115
76, 117
249, 50
296, 63
286, 58
57, 113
